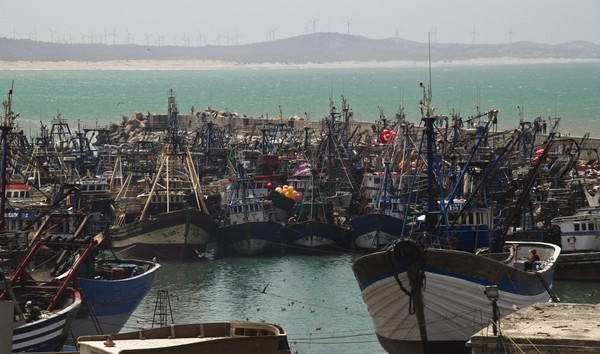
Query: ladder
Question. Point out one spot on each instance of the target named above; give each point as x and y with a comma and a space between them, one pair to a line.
162, 309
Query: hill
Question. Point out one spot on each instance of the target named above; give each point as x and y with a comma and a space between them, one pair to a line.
310, 48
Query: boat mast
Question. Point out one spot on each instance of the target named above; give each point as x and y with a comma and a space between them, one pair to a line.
6, 126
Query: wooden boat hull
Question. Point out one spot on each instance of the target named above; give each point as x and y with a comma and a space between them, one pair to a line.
258, 238
371, 232
312, 236
176, 235
221, 337
113, 300
454, 305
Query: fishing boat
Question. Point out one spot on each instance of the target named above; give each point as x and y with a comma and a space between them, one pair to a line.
425, 296
248, 228
410, 317
314, 228
381, 221
111, 293
51, 302
48, 290
579, 237
170, 219
217, 337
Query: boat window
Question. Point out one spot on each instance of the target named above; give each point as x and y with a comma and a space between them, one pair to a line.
583, 227
590, 226
576, 226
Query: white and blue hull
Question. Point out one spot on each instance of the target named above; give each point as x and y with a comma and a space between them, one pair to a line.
454, 303
47, 334
112, 301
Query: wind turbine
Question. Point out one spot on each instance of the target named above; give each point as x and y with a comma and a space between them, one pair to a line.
148, 37
236, 37
434, 34
33, 35
348, 25
314, 24
52, 33
510, 34
473, 34
273, 30
397, 32
114, 36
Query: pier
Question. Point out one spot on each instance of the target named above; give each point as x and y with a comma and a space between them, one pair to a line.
542, 328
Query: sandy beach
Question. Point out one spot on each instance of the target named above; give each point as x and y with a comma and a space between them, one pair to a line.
219, 65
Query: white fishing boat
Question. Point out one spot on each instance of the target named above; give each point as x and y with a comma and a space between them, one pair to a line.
218, 337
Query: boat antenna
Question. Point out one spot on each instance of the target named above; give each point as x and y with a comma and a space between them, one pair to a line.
429, 58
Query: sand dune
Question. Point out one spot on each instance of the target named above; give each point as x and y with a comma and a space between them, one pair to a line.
214, 65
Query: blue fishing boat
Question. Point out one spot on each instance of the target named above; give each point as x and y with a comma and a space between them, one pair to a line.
381, 221
112, 294
248, 228
314, 228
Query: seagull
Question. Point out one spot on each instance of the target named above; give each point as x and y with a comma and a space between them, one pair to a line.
154, 259
592, 293
264, 290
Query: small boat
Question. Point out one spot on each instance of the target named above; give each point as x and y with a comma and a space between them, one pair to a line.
111, 293
218, 337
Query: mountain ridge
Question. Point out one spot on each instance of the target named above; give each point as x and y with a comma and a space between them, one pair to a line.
324, 47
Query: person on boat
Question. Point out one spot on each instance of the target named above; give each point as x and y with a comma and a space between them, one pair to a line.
453, 242
533, 262
34, 313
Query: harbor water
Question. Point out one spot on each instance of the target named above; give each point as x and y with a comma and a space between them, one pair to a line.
315, 298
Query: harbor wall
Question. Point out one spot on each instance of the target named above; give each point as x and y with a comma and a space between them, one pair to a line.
245, 124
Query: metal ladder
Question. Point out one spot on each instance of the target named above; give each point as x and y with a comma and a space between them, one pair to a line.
162, 309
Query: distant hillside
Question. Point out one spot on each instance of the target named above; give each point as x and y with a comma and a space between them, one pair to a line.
310, 48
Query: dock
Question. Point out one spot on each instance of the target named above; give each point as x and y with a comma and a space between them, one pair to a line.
544, 328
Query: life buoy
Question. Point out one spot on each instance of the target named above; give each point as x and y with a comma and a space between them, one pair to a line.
571, 240
214, 189
367, 209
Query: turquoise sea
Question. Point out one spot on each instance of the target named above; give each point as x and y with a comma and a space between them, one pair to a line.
570, 91
315, 298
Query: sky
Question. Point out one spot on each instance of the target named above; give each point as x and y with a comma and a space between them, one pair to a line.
231, 22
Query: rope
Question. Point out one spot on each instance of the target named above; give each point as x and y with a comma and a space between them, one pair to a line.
410, 294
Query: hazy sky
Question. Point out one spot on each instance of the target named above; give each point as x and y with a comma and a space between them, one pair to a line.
227, 22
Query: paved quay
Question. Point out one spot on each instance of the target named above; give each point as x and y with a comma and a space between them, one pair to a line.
545, 328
